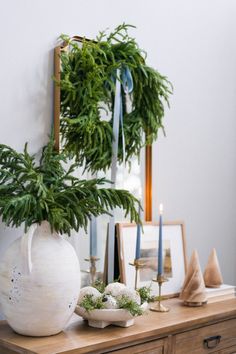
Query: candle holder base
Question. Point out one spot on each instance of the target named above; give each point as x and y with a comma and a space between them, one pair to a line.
138, 265
93, 269
159, 307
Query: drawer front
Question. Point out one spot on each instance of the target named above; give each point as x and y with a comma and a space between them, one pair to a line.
208, 339
153, 347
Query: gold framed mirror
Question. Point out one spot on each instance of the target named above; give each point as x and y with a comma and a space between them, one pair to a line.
57, 96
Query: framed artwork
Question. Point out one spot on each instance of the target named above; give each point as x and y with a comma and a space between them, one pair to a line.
174, 255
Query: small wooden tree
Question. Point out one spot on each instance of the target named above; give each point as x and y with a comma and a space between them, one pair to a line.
212, 275
193, 292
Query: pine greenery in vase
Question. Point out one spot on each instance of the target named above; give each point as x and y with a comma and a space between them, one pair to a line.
32, 192
40, 273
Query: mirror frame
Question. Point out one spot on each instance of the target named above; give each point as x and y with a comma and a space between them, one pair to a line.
57, 113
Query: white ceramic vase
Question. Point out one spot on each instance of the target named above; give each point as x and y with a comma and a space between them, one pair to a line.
39, 282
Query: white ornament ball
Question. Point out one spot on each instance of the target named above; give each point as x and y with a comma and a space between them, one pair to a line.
114, 289
131, 294
109, 302
88, 290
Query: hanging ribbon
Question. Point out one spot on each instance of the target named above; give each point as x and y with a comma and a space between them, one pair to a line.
93, 231
124, 77
127, 84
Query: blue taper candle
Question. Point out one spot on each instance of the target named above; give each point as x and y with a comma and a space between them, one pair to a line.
93, 237
160, 246
138, 237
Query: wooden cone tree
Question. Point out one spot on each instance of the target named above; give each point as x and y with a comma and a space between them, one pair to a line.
212, 275
193, 291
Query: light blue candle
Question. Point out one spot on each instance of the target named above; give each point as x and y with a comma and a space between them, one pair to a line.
93, 237
138, 237
160, 246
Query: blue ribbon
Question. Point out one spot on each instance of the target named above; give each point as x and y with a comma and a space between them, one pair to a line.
123, 80
127, 84
127, 80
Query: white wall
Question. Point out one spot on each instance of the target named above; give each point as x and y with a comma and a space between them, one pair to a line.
195, 170
193, 42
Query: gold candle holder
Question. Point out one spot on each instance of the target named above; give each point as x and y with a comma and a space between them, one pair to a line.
158, 307
138, 265
92, 269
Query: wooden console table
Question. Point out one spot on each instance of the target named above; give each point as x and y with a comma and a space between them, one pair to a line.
184, 330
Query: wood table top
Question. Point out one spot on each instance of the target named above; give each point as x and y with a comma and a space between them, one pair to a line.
78, 337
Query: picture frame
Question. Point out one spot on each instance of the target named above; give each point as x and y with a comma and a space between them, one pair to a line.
174, 249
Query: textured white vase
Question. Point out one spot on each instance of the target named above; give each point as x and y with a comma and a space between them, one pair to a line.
39, 282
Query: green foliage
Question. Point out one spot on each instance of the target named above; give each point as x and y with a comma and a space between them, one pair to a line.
145, 294
99, 285
89, 303
127, 304
87, 89
31, 192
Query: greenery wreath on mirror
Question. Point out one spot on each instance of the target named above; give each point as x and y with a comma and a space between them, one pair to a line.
88, 74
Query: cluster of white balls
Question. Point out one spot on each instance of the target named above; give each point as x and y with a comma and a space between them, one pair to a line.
112, 294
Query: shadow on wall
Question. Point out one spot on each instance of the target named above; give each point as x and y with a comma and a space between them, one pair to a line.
40, 100
28, 104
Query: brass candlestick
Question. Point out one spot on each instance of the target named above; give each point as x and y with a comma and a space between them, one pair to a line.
93, 268
159, 307
138, 265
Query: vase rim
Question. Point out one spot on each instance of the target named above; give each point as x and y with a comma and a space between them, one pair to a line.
46, 227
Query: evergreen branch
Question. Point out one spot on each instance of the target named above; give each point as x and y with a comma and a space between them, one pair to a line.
87, 84
127, 304
145, 294
32, 192
89, 303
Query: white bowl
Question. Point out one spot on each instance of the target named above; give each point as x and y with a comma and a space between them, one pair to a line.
105, 317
